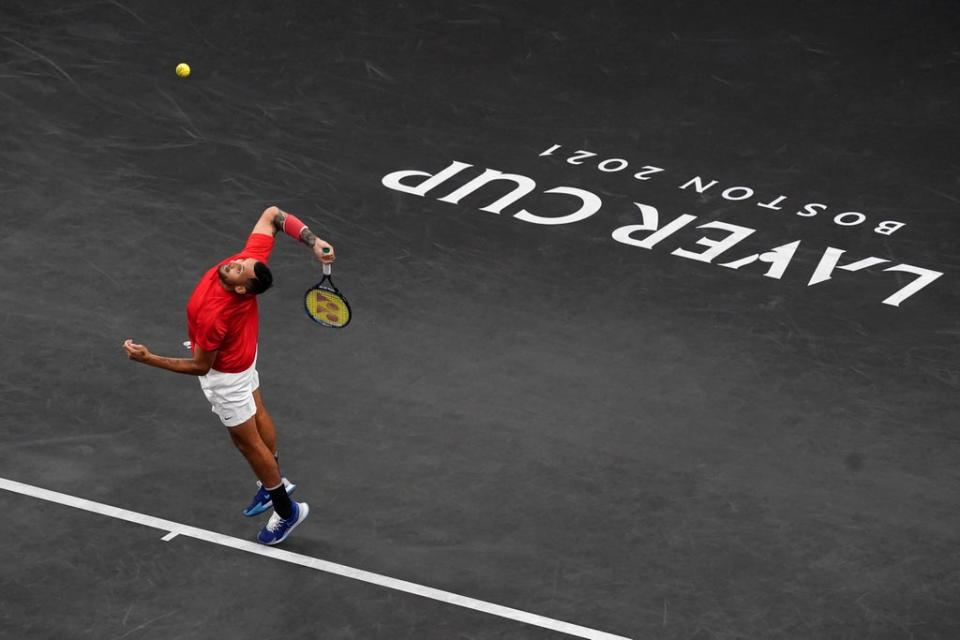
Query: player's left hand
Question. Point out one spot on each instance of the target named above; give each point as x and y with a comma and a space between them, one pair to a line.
136, 351
318, 251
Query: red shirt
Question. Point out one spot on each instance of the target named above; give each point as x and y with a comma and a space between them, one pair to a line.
225, 321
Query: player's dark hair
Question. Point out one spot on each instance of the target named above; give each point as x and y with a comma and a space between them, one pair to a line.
262, 279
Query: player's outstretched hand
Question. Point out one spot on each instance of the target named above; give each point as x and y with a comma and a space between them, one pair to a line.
323, 250
135, 351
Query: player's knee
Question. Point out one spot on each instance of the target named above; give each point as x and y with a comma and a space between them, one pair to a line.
237, 441
240, 441
270, 211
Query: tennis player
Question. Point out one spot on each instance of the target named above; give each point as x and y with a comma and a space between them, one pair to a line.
223, 324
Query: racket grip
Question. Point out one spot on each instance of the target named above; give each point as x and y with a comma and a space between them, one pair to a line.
326, 268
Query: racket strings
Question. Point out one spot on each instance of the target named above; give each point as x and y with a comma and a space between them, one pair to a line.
326, 307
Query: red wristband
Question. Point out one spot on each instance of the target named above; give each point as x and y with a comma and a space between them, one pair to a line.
292, 226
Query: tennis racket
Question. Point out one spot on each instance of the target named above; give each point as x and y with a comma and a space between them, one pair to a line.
324, 303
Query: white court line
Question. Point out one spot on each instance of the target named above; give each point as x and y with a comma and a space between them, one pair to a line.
176, 528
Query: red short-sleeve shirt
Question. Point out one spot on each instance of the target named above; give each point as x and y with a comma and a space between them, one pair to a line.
224, 321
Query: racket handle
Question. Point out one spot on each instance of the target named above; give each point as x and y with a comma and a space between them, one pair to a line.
326, 265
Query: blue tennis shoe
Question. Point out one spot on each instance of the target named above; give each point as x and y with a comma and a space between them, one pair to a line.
262, 501
278, 528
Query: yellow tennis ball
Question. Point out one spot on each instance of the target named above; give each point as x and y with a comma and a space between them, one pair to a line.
183, 70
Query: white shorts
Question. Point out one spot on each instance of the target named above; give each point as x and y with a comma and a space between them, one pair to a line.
231, 394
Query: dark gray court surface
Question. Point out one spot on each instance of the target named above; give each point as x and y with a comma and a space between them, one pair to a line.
703, 434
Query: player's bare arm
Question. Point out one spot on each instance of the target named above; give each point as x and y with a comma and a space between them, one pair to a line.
199, 365
274, 220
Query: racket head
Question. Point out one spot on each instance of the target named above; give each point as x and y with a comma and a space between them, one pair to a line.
327, 307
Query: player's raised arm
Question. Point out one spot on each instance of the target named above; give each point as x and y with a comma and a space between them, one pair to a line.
274, 220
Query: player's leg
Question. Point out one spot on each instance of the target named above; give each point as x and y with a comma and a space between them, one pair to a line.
287, 514
231, 396
265, 426
248, 441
